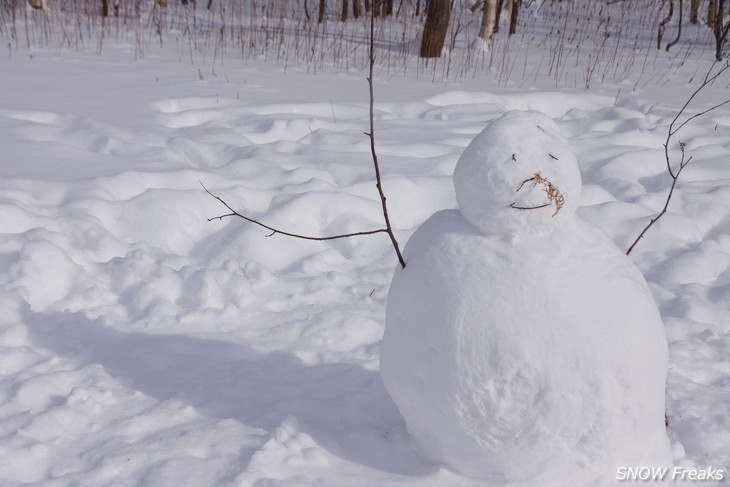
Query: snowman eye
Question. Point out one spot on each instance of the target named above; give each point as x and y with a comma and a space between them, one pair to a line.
554, 196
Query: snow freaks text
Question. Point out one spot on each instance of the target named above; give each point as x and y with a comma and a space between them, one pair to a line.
648, 474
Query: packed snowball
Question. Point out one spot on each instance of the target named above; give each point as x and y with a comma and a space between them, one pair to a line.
521, 346
521, 162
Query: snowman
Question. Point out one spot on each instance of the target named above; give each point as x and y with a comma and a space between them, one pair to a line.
521, 345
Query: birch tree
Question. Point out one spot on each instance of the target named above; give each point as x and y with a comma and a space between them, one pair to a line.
489, 10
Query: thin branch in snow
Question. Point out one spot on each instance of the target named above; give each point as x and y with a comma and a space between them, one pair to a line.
371, 135
671, 132
276, 230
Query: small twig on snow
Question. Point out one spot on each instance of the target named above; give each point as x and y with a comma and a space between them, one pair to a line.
675, 172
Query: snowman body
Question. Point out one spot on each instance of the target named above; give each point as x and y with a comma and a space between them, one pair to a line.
521, 346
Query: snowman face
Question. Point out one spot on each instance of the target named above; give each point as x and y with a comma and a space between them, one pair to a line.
518, 176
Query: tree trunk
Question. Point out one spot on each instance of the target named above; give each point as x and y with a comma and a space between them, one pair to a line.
388, 7
322, 10
663, 25
711, 13
498, 15
514, 14
377, 8
721, 29
694, 11
345, 12
679, 26
105, 8
356, 9
438, 13
488, 16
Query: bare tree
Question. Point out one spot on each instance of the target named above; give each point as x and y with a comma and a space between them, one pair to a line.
719, 27
679, 28
694, 11
344, 13
711, 13
514, 14
488, 19
674, 172
322, 11
356, 9
663, 25
498, 15
438, 14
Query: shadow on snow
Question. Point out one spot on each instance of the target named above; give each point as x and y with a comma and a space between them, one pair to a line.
344, 407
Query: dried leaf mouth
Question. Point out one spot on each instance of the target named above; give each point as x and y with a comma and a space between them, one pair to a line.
555, 197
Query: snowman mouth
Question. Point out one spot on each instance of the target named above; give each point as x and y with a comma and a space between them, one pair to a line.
554, 196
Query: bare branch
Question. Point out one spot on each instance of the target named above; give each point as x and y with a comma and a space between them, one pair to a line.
674, 174
275, 230
706, 81
514, 205
371, 135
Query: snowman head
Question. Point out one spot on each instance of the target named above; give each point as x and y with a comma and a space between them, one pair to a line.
518, 176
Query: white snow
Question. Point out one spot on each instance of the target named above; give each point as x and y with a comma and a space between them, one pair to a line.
141, 345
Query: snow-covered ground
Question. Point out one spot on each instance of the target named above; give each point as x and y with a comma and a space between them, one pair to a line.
143, 345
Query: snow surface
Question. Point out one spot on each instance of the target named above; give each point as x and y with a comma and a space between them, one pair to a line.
141, 345
521, 345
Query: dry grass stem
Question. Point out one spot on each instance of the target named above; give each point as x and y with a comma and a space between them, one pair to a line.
555, 197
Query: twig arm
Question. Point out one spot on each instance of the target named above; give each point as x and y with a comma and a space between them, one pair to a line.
282, 232
371, 135
388, 228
